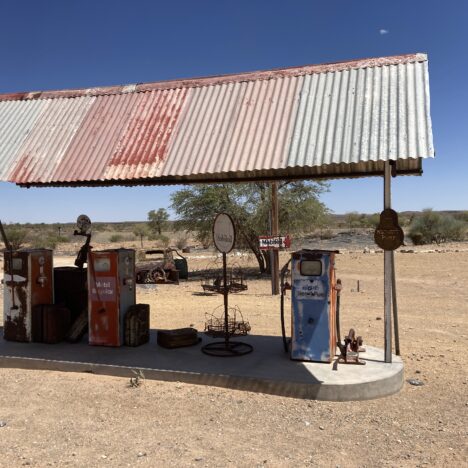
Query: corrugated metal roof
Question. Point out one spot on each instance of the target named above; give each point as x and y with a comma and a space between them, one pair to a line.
333, 120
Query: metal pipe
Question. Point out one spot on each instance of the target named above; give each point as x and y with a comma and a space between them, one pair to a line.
387, 274
226, 308
395, 308
284, 270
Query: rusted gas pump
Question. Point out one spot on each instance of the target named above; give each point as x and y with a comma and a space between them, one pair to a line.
28, 281
111, 291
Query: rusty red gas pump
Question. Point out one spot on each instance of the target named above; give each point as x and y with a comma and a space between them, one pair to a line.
111, 291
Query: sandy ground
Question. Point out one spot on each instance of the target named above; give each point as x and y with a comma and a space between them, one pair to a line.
58, 419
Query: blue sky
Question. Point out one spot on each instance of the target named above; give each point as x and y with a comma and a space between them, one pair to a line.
54, 44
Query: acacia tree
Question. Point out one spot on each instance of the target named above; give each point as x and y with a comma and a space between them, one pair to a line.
157, 220
249, 206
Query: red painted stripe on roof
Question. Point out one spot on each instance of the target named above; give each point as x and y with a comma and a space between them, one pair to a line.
149, 128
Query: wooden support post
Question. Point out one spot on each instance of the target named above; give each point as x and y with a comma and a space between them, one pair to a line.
274, 254
387, 274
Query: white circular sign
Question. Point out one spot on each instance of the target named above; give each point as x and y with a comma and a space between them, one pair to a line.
224, 233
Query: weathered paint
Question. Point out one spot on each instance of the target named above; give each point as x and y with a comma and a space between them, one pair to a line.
42, 152
28, 284
111, 291
144, 142
333, 120
313, 306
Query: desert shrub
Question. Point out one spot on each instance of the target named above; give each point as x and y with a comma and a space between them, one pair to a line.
61, 239
163, 240
45, 240
404, 220
181, 242
373, 220
326, 234
140, 255
461, 216
116, 238
358, 220
431, 227
99, 227
453, 229
17, 236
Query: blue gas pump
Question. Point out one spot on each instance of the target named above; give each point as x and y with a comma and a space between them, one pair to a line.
313, 305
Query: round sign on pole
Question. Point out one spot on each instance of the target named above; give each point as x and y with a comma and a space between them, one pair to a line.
224, 233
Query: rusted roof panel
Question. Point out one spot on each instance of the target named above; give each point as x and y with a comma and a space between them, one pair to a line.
96, 140
234, 127
332, 120
143, 146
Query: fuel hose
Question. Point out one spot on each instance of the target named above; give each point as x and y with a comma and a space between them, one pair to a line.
284, 270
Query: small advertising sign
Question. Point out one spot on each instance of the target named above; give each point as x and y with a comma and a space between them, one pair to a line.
309, 289
224, 234
274, 242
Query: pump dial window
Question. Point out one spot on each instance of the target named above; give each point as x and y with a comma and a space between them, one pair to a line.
102, 264
17, 263
311, 268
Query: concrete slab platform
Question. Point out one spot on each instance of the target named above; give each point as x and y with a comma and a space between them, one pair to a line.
268, 369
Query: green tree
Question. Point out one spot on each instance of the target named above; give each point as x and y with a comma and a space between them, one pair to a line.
249, 206
157, 220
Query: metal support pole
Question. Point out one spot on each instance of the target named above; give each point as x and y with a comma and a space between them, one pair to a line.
226, 307
274, 254
395, 308
387, 274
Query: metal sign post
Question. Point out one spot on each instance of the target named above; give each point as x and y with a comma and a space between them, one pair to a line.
224, 237
387, 276
389, 236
